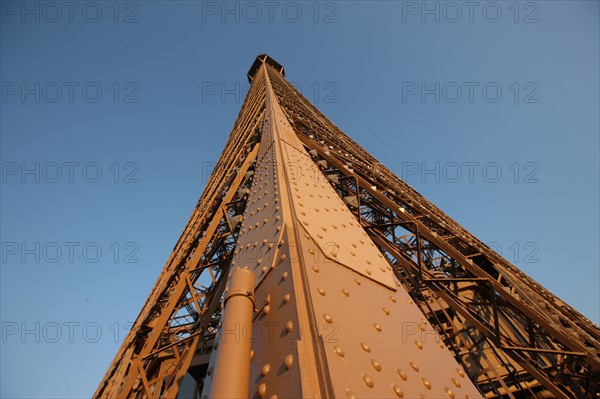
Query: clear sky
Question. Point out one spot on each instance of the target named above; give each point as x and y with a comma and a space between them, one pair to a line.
112, 115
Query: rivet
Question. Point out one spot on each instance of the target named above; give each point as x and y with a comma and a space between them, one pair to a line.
251, 354
284, 275
352, 253
273, 397
315, 269
289, 326
376, 365
262, 390
414, 366
339, 351
327, 318
377, 327
265, 221
264, 269
450, 394
426, 383
345, 292
265, 369
283, 257
350, 394
357, 281
319, 235
461, 373
264, 241
288, 361
311, 251
419, 344
278, 228
267, 309
354, 245
397, 390
365, 347
410, 301
386, 311
259, 261
393, 299
368, 261
368, 272
368, 381
277, 218
270, 245
455, 382
402, 374
321, 291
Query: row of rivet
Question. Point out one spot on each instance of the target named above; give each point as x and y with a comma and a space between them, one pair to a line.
376, 365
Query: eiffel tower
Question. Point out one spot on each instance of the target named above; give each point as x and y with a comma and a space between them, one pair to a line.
308, 269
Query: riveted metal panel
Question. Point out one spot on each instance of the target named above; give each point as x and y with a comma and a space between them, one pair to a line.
263, 222
377, 342
320, 210
330, 224
275, 334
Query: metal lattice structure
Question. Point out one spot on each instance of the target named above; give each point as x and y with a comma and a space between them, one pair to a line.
308, 269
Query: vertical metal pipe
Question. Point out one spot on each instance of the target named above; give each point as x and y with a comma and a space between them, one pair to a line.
232, 365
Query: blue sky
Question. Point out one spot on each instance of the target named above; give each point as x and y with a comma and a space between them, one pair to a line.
112, 115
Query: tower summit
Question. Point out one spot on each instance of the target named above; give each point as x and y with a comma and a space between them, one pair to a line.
264, 59
308, 269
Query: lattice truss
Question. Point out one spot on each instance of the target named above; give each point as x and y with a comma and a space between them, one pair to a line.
513, 338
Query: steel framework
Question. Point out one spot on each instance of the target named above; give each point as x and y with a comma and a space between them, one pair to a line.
355, 285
